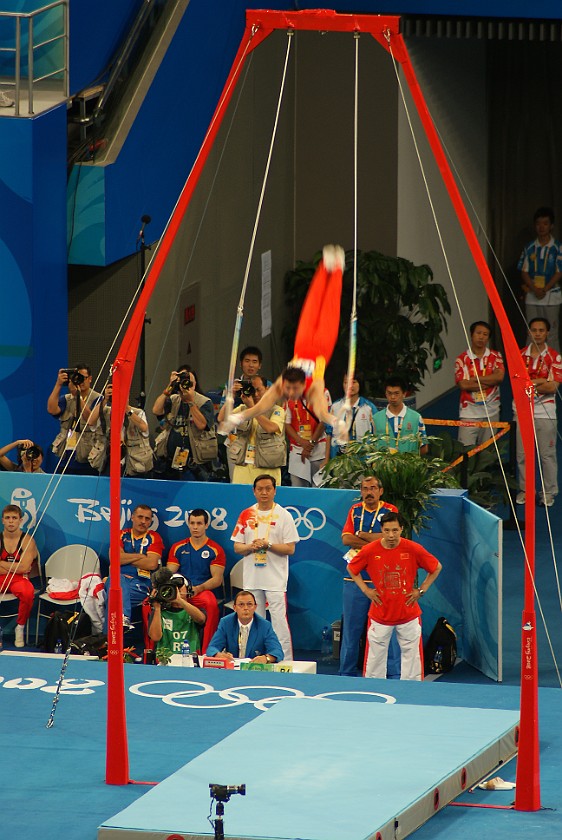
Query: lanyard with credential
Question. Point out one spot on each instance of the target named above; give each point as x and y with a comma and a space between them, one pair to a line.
388, 432
373, 521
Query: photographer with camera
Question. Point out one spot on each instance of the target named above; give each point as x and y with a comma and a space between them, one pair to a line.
30, 457
173, 618
187, 444
250, 365
75, 439
258, 444
137, 455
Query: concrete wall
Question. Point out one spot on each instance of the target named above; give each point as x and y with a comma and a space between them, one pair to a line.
452, 78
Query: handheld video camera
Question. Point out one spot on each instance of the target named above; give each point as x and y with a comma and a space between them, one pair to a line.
74, 376
166, 585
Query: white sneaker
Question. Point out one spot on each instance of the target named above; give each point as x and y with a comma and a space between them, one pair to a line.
548, 500
20, 629
520, 498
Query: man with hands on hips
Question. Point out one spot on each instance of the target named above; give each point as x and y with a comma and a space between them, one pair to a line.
392, 564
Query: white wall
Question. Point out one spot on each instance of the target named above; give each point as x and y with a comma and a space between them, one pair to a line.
451, 75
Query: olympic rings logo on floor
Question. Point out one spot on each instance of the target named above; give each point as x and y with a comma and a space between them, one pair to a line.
306, 520
199, 695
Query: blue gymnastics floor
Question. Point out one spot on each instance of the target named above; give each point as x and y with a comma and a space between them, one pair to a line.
58, 774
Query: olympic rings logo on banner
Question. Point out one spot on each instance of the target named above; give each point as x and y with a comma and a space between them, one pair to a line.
306, 521
211, 698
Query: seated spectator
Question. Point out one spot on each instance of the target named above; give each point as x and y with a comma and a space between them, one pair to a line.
202, 561
74, 441
30, 457
138, 457
360, 417
141, 554
399, 428
187, 444
258, 444
17, 553
170, 624
245, 635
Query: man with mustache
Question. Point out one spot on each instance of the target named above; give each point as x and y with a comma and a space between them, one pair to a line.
362, 527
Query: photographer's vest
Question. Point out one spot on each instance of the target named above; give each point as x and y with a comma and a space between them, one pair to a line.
139, 457
202, 442
69, 423
270, 447
407, 439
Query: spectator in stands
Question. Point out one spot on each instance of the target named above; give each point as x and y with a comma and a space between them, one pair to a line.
74, 441
545, 370
17, 554
478, 373
138, 458
361, 528
202, 561
392, 564
30, 457
398, 428
540, 265
170, 624
250, 364
141, 554
187, 444
258, 444
265, 535
360, 417
245, 635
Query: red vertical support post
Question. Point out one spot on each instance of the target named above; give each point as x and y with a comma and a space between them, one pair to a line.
528, 768
117, 756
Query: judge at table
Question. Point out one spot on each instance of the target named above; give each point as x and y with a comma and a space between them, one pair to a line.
245, 635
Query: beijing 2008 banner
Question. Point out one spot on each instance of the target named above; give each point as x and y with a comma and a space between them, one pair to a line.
78, 512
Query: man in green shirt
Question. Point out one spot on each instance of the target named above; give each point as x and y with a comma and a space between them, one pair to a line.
170, 625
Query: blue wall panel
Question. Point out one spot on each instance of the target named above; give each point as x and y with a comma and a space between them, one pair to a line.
33, 297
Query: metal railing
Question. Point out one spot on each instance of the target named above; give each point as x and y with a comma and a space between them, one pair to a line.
20, 20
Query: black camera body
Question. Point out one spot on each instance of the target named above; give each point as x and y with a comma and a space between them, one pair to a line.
74, 376
247, 389
184, 382
166, 585
32, 452
222, 793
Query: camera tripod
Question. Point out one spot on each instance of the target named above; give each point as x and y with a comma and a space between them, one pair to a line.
221, 794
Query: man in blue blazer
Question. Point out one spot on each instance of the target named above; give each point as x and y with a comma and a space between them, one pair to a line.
245, 635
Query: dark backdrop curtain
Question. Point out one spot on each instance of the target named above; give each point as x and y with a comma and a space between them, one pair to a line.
525, 122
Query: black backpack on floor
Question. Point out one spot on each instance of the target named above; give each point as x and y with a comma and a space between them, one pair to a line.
440, 651
63, 626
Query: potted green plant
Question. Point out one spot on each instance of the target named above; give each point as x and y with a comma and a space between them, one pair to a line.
409, 480
401, 315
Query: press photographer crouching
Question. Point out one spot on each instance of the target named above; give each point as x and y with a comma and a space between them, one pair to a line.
187, 444
30, 457
173, 618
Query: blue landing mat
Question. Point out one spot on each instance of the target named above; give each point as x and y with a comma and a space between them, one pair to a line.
321, 770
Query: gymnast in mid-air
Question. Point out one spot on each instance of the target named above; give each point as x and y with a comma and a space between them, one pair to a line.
317, 333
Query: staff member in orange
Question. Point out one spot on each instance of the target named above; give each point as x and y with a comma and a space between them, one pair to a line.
392, 564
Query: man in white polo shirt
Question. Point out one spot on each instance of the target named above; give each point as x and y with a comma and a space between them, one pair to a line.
265, 535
